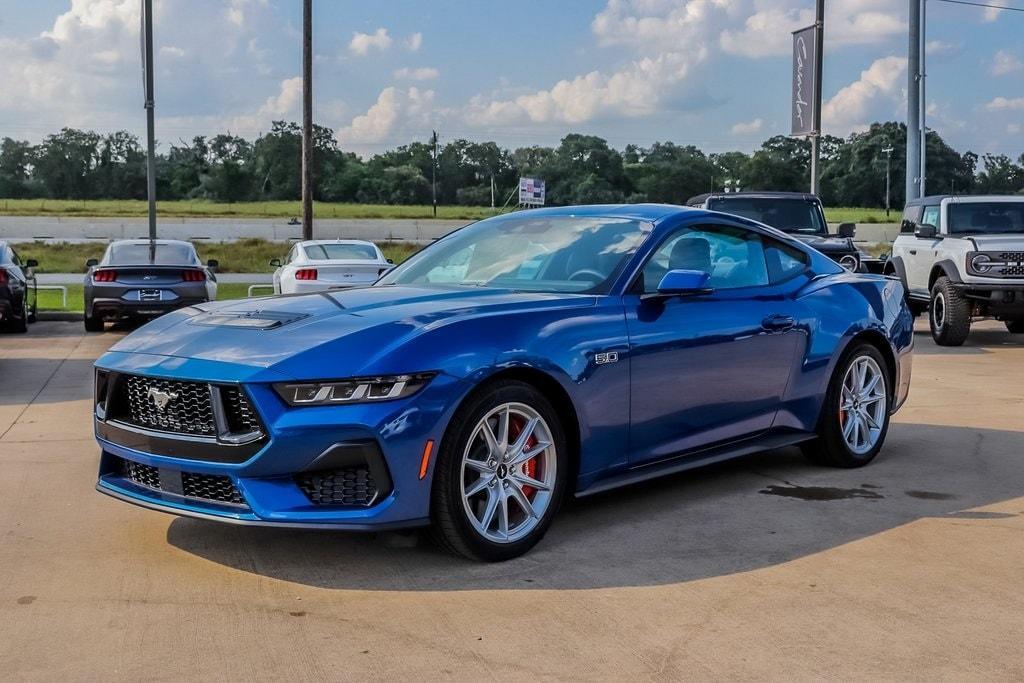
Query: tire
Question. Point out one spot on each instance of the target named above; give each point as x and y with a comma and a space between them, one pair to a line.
949, 314
833, 447
499, 486
19, 325
93, 324
1015, 326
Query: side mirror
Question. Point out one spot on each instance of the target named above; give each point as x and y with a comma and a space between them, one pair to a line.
213, 264
92, 263
847, 230
391, 261
684, 282
926, 231
31, 263
275, 262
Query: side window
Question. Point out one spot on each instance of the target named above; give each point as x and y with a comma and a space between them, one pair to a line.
291, 255
733, 257
14, 257
910, 215
784, 261
930, 216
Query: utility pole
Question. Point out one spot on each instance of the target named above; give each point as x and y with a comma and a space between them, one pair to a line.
914, 155
888, 174
307, 119
923, 102
147, 57
819, 58
433, 172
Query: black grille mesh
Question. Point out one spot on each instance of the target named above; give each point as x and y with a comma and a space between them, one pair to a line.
353, 486
210, 487
241, 415
189, 411
143, 475
1012, 256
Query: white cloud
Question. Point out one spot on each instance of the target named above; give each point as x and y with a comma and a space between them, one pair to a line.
1013, 128
852, 107
1004, 63
1005, 104
423, 73
938, 47
172, 51
362, 43
391, 119
414, 42
991, 14
766, 31
748, 127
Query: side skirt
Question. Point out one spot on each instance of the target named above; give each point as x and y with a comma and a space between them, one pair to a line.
695, 459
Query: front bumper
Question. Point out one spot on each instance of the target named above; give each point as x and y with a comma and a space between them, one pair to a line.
273, 485
999, 300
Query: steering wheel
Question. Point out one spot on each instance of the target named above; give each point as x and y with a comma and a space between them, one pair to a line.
587, 273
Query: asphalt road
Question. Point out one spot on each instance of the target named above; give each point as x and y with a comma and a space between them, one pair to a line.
766, 568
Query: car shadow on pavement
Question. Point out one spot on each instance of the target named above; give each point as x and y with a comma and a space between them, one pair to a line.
744, 515
979, 342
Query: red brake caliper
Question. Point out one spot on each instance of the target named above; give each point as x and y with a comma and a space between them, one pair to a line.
530, 468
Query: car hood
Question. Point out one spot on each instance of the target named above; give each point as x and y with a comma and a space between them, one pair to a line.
826, 244
998, 242
348, 328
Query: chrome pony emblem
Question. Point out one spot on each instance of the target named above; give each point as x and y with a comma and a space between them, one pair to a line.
161, 399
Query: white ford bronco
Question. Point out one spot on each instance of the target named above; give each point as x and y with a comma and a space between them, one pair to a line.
962, 259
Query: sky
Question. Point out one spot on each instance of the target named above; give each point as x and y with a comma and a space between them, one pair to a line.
712, 73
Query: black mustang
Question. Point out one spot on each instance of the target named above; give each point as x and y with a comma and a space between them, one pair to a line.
17, 291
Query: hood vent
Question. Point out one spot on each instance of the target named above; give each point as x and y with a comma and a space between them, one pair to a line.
251, 320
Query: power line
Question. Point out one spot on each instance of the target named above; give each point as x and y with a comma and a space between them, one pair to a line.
982, 4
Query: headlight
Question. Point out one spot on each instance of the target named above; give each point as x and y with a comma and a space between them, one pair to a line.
850, 262
981, 263
356, 390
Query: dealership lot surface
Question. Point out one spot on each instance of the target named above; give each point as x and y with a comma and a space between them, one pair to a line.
912, 566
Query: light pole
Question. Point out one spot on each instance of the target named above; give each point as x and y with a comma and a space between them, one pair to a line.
819, 56
147, 56
307, 119
888, 174
433, 172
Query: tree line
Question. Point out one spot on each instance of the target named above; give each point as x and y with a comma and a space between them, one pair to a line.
582, 169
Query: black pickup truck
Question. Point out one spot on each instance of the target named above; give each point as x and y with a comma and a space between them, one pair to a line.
798, 214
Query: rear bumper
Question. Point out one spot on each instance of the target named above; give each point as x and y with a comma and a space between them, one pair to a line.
110, 309
314, 286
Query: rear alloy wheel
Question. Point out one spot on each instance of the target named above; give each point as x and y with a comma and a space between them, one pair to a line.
950, 314
855, 417
1015, 326
500, 474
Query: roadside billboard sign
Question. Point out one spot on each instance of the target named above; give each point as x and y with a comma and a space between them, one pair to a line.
531, 192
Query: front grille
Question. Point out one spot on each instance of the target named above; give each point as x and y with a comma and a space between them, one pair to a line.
189, 410
1012, 271
352, 486
1012, 256
210, 487
143, 475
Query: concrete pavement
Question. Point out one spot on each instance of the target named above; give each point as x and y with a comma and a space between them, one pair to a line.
766, 568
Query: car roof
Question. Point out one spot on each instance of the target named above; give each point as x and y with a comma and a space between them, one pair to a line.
146, 241
755, 194
651, 213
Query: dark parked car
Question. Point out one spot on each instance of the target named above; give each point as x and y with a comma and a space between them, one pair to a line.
798, 214
17, 291
140, 279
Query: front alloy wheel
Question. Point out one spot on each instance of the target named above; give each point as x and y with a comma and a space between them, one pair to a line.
500, 473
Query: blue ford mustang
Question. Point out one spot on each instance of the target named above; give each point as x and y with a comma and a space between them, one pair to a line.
510, 364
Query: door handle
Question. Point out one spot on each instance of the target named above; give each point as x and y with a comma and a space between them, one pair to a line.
913, 252
778, 323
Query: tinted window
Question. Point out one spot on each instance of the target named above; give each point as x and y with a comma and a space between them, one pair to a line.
788, 215
986, 217
733, 257
930, 216
341, 252
139, 254
784, 261
543, 254
910, 216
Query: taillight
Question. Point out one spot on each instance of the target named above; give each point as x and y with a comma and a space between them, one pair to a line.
193, 276
305, 274
3, 276
104, 275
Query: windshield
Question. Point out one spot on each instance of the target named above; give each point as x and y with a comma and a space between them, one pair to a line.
788, 215
992, 218
562, 254
138, 254
341, 252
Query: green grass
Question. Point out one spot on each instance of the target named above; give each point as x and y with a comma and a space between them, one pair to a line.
204, 209
50, 300
244, 256
859, 215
